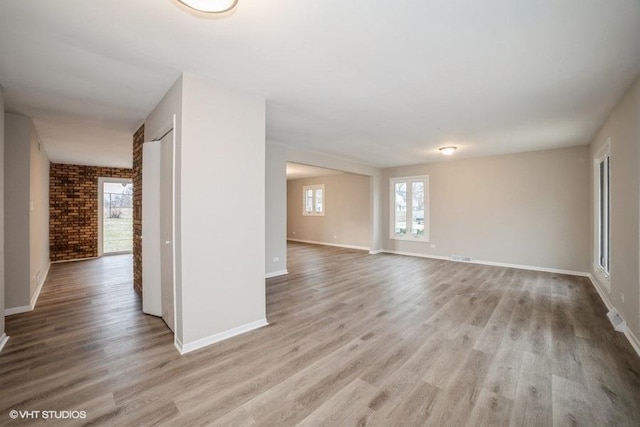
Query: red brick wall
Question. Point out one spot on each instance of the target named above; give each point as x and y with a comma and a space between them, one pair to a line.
73, 209
138, 140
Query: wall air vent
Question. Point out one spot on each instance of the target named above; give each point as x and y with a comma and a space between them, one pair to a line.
619, 324
460, 258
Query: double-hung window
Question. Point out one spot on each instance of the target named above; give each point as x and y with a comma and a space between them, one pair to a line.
409, 208
313, 200
602, 173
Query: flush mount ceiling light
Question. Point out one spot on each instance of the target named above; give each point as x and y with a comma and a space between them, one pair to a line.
447, 151
210, 6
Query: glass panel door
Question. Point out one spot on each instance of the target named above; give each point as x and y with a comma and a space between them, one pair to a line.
117, 217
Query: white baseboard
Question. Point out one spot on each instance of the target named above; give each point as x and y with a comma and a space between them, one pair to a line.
62, 261
534, 268
276, 274
178, 344
337, 245
3, 340
198, 344
17, 310
414, 254
36, 294
113, 254
34, 297
633, 340
492, 263
603, 296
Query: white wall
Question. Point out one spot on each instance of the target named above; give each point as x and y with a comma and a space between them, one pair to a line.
26, 210
220, 209
2, 329
16, 204
375, 193
39, 212
528, 209
623, 128
275, 214
223, 208
347, 217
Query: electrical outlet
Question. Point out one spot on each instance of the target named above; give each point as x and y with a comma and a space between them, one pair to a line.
276, 259
294, 233
622, 297
335, 237
432, 246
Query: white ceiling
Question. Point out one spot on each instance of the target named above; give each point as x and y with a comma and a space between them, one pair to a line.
380, 82
298, 171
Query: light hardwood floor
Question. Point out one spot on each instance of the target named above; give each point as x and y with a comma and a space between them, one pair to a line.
354, 339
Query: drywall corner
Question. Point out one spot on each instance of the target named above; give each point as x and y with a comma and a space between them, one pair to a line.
2, 328
16, 210
275, 210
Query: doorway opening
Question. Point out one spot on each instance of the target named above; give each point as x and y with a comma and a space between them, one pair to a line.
115, 201
328, 207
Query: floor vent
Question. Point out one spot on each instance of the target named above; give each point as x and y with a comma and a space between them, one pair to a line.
460, 258
619, 324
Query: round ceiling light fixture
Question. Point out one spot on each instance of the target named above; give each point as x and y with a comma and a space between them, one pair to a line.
447, 151
210, 6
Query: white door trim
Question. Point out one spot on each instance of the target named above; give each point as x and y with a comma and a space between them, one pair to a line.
101, 181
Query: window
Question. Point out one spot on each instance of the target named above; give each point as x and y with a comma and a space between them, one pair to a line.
602, 174
313, 200
409, 208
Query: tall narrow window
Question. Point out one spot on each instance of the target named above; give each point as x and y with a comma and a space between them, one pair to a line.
409, 208
313, 200
318, 201
603, 214
308, 201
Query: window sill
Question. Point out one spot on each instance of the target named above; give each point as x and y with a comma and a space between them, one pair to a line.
410, 239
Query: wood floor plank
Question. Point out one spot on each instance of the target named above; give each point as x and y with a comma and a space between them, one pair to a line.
533, 402
460, 396
492, 335
353, 339
347, 407
504, 372
570, 403
415, 408
491, 409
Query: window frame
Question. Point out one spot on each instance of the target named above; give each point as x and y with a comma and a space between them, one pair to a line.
602, 246
314, 202
409, 236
